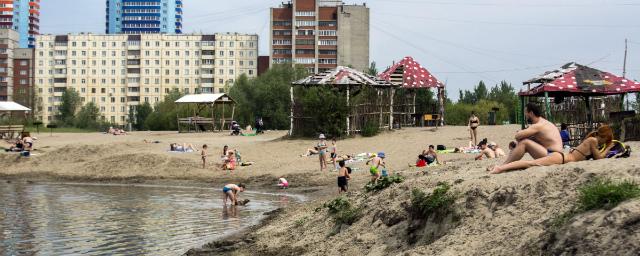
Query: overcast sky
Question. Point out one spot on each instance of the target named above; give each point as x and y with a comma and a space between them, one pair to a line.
459, 41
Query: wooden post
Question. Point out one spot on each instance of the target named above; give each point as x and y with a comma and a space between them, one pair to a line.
379, 100
589, 115
391, 94
222, 118
547, 106
213, 117
233, 111
413, 113
441, 101
291, 119
348, 111
524, 121
178, 120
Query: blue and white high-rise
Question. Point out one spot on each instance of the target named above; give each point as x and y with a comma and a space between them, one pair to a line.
144, 17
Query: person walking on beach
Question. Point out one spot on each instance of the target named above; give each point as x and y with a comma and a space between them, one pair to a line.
230, 191
343, 178
376, 162
474, 122
203, 155
334, 152
539, 140
322, 150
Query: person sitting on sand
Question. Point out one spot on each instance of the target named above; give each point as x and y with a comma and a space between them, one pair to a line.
588, 149
496, 150
343, 178
230, 191
430, 156
230, 163
185, 148
376, 162
283, 183
485, 151
27, 141
539, 140
16, 146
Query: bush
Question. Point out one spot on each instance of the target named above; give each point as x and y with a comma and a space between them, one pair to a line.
370, 129
439, 202
383, 183
606, 194
343, 212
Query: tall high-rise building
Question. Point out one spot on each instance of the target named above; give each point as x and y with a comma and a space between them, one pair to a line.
22, 16
144, 16
8, 44
120, 72
320, 34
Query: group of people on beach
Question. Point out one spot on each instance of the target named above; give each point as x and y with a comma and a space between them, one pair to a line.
116, 131
22, 143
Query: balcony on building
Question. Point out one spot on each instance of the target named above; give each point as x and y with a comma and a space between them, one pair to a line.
133, 54
208, 54
133, 91
133, 63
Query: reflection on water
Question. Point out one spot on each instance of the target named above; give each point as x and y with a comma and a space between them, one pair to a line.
63, 219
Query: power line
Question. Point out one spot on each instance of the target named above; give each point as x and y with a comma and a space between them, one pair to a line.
516, 4
621, 26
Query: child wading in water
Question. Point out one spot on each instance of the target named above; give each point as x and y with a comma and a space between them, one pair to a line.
343, 178
376, 162
230, 191
204, 156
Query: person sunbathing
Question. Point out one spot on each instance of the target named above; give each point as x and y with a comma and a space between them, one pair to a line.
588, 149
174, 147
485, 151
496, 149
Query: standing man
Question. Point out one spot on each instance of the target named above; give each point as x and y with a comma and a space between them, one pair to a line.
539, 140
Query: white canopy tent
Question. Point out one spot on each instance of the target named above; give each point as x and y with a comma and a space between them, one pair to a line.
202, 101
12, 106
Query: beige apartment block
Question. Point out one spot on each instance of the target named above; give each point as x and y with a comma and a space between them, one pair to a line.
120, 72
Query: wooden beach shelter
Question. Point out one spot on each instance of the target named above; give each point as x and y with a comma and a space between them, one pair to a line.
410, 76
351, 83
7, 109
220, 105
574, 89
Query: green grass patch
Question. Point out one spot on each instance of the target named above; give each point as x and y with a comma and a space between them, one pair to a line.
383, 183
343, 212
606, 194
439, 202
370, 129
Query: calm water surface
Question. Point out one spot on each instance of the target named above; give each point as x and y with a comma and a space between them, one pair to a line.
88, 219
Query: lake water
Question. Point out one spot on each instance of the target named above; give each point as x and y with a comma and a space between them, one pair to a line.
92, 219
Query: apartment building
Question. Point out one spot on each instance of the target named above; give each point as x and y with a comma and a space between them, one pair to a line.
22, 16
119, 72
23, 75
144, 16
320, 34
8, 44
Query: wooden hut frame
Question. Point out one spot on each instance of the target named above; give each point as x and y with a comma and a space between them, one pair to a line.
574, 81
352, 83
410, 76
218, 101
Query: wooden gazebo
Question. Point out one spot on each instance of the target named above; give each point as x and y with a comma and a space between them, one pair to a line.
351, 82
219, 104
574, 89
410, 76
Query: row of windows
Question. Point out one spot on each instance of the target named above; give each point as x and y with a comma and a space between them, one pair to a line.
306, 14
147, 63
64, 53
141, 4
141, 11
131, 81
156, 44
142, 25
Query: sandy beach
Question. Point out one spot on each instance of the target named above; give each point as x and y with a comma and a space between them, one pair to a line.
496, 214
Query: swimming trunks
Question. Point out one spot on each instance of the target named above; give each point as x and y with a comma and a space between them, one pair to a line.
342, 182
225, 190
373, 170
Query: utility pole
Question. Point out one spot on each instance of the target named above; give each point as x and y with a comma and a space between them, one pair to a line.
624, 71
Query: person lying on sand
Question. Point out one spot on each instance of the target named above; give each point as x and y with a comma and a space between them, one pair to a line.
588, 149
174, 147
539, 140
230, 191
496, 149
376, 162
485, 151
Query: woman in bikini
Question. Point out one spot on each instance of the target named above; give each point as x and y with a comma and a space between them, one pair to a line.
474, 122
588, 149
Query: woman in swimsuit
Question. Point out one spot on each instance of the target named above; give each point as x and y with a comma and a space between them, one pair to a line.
322, 150
474, 122
588, 149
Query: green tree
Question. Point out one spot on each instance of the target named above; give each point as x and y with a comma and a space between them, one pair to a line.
142, 114
372, 70
480, 92
164, 113
68, 108
266, 96
505, 94
88, 116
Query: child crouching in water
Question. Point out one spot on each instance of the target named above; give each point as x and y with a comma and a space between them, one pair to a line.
283, 183
230, 191
343, 178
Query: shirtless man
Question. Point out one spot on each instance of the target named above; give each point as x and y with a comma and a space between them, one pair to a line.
230, 191
539, 140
